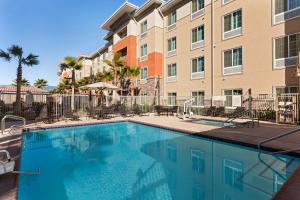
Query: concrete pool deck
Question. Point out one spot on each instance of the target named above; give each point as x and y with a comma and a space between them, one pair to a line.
244, 136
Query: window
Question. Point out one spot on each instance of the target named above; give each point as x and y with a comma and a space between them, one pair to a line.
199, 98
286, 90
286, 5
144, 50
287, 46
233, 21
144, 27
233, 57
144, 73
198, 193
172, 99
197, 5
172, 18
198, 34
172, 70
198, 65
233, 173
172, 44
172, 152
230, 94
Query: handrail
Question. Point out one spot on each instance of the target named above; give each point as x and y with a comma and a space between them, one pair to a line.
7, 154
187, 105
277, 137
11, 117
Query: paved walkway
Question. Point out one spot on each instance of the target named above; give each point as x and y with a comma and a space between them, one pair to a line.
244, 136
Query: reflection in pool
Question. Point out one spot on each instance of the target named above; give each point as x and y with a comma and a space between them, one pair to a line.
133, 161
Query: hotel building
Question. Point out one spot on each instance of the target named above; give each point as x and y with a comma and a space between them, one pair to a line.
210, 49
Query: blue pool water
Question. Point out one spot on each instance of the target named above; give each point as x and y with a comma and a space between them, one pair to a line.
133, 161
214, 123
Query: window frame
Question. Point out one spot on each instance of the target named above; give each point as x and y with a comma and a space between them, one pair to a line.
170, 40
143, 47
288, 45
142, 73
171, 96
197, 5
232, 21
203, 35
197, 104
232, 60
142, 27
172, 65
169, 22
198, 59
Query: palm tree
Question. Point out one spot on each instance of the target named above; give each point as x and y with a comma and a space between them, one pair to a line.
134, 73
104, 76
41, 83
72, 64
16, 52
116, 65
24, 82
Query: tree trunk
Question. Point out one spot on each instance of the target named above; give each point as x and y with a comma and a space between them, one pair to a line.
73, 91
18, 95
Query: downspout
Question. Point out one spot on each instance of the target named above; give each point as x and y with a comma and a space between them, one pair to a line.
212, 52
164, 59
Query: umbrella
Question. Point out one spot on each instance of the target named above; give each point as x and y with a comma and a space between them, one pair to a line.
100, 86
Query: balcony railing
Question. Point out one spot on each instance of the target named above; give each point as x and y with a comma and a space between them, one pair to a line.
197, 45
285, 62
233, 70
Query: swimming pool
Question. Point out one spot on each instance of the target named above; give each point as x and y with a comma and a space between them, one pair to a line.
214, 123
133, 161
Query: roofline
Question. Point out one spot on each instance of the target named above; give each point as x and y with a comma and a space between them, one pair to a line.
146, 4
168, 5
118, 10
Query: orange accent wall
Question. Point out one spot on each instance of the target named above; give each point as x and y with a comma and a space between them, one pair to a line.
154, 64
130, 42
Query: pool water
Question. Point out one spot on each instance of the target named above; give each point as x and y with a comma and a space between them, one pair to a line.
132, 161
214, 123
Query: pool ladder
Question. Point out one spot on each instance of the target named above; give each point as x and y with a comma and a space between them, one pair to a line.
277, 137
13, 127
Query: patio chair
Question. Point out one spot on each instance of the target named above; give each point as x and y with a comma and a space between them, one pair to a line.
174, 110
90, 112
70, 115
158, 109
44, 116
219, 111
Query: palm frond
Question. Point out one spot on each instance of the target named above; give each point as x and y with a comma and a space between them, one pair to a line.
5, 55
108, 62
16, 51
31, 60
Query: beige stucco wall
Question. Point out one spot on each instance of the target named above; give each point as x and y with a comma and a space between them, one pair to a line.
256, 40
184, 85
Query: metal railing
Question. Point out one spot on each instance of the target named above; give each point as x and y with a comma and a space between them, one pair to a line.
11, 117
278, 137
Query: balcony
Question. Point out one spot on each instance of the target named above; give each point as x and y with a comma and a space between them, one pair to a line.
171, 27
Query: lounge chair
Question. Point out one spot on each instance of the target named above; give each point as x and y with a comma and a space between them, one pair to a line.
70, 115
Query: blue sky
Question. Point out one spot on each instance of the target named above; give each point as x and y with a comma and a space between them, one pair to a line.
51, 29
